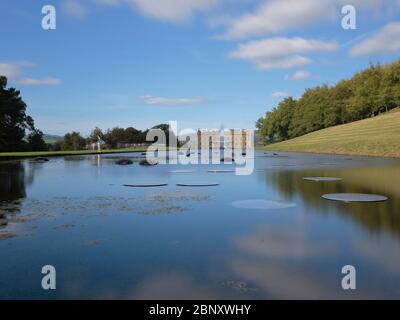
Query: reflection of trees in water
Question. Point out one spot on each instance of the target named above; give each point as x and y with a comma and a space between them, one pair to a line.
377, 217
13, 181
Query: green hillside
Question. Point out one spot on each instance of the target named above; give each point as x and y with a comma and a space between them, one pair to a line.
377, 136
49, 138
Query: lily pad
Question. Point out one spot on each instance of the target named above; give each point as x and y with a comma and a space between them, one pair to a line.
261, 204
198, 184
322, 179
354, 197
146, 185
181, 171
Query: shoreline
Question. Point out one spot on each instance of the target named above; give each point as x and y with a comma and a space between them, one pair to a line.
330, 153
6, 156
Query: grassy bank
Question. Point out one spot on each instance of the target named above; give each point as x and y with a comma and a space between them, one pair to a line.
21, 155
378, 136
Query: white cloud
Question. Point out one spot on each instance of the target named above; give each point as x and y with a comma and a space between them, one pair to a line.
277, 16
15, 71
161, 101
299, 75
37, 82
172, 10
176, 11
280, 94
9, 70
74, 8
279, 52
272, 16
384, 41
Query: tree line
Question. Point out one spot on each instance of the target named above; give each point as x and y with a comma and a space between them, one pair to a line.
110, 138
367, 94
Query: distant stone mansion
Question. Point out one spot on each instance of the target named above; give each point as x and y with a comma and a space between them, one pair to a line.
225, 139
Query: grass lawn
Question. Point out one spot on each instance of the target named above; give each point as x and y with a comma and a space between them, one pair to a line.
378, 136
16, 155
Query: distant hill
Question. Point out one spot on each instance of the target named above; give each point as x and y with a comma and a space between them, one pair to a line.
49, 138
377, 136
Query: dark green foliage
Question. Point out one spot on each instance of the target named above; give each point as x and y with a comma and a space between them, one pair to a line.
169, 134
36, 141
367, 94
95, 135
113, 138
13, 119
13, 184
134, 136
73, 141
117, 137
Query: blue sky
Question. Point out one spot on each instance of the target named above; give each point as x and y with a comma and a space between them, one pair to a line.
204, 63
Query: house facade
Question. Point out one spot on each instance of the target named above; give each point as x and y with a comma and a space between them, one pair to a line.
224, 139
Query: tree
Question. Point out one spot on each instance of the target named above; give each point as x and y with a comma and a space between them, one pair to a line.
95, 135
170, 135
314, 102
36, 141
134, 136
337, 112
57, 146
367, 100
262, 130
13, 119
73, 141
114, 137
391, 86
283, 117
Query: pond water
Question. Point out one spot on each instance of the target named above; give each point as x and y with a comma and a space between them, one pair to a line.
108, 241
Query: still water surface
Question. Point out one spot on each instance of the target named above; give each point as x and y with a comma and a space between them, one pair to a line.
108, 241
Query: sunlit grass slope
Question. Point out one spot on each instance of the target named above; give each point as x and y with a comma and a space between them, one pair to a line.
378, 136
